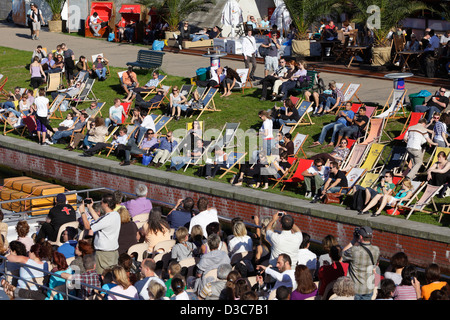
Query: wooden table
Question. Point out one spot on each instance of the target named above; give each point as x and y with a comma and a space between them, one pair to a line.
406, 55
354, 50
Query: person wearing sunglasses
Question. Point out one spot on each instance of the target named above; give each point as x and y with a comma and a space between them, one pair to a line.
318, 173
437, 104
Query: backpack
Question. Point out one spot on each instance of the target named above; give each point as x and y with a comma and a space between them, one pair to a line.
111, 37
263, 51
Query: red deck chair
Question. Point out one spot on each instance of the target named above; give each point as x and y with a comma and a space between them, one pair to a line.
126, 108
412, 120
297, 177
292, 161
3, 93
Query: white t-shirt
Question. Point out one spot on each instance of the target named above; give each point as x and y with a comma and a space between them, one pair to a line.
42, 104
148, 123
130, 292
93, 19
323, 172
116, 112
107, 229
240, 245
203, 219
284, 242
307, 258
267, 125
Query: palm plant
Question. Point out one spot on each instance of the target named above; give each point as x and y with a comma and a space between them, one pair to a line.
303, 14
391, 13
175, 11
56, 8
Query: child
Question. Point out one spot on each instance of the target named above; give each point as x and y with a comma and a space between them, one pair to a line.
196, 236
173, 269
183, 249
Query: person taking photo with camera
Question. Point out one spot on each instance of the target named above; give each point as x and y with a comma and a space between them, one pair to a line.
362, 257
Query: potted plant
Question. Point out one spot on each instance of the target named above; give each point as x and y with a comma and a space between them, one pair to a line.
385, 18
55, 24
303, 14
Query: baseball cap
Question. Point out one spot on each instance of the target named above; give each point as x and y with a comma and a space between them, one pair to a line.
366, 232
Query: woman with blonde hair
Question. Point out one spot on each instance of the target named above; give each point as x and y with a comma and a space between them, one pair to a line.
177, 103
403, 194
241, 242
123, 287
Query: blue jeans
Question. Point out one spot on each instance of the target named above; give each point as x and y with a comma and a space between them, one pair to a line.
17, 113
101, 73
336, 126
431, 110
108, 121
197, 37
281, 122
363, 296
61, 134
329, 103
88, 143
179, 162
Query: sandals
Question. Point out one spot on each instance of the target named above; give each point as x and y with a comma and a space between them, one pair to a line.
315, 144
8, 288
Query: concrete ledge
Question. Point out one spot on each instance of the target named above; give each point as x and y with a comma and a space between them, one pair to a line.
224, 190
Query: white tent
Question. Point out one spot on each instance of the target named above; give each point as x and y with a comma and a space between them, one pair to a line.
231, 15
281, 16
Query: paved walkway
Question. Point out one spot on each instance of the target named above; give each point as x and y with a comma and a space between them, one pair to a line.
179, 64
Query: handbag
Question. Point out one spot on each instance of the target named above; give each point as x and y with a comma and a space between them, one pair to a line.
263, 51
146, 159
332, 198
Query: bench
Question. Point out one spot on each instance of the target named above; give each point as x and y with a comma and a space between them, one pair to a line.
148, 59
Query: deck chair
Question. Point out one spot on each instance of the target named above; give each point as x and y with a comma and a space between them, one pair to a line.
297, 177
131, 129
391, 109
126, 108
412, 120
208, 102
353, 176
227, 135
394, 160
3, 93
373, 156
186, 90
56, 106
53, 82
304, 119
293, 162
368, 181
429, 192
161, 78
434, 154
299, 140
445, 210
86, 95
350, 93
9, 127
376, 129
245, 80
94, 58
81, 76
203, 158
162, 123
355, 157
233, 159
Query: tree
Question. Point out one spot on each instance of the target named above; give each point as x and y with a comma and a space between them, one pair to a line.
56, 8
303, 14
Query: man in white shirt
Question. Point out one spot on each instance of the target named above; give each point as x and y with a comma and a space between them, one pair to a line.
147, 124
415, 137
287, 241
205, 217
249, 52
94, 23
317, 173
105, 230
285, 276
42, 104
115, 113
306, 256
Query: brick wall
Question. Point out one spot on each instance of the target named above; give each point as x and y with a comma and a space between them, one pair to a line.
420, 251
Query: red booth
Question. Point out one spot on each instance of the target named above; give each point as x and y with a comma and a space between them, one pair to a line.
136, 12
106, 12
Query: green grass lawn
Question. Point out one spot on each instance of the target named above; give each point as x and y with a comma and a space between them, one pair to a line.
239, 107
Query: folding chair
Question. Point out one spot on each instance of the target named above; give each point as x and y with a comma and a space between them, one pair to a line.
393, 161
376, 129
3, 93
373, 156
297, 175
162, 123
94, 58
208, 102
427, 197
368, 181
352, 176
12, 127
161, 78
349, 94
86, 94
56, 106
445, 210
390, 111
303, 112
81, 76
245, 81
434, 154
198, 161
355, 157
226, 136
412, 120
299, 140
233, 158
53, 82
293, 162
186, 90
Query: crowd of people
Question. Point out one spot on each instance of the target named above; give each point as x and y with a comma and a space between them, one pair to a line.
268, 258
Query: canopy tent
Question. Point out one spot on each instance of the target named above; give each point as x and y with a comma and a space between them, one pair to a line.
232, 15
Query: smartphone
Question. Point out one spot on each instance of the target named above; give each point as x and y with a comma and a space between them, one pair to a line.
280, 214
87, 201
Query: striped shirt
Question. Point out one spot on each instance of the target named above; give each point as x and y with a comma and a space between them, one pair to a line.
405, 293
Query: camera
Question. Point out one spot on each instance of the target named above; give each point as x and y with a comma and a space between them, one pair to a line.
259, 272
280, 214
356, 233
87, 201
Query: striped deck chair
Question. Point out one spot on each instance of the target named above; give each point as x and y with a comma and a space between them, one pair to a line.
297, 176
373, 156
412, 120
394, 160
56, 106
355, 157
427, 196
233, 159
391, 109
53, 82
299, 140
208, 102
